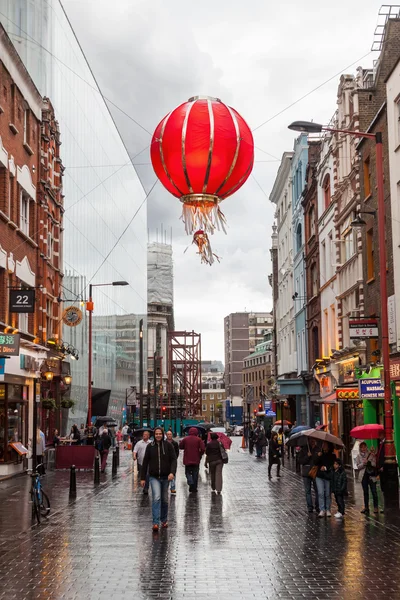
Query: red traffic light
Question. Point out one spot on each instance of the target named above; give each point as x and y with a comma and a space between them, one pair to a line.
164, 408
255, 411
259, 406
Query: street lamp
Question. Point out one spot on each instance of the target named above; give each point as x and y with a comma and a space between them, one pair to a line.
391, 491
90, 308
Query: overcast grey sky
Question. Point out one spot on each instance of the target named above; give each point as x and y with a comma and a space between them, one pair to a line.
150, 55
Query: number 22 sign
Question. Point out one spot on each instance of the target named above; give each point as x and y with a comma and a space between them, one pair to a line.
22, 301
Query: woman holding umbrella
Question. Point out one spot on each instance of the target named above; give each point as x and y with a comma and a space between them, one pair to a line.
324, 462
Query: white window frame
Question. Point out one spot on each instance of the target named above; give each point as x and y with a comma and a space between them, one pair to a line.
24, 213
49, 318
23, 323
204, 408
211, 396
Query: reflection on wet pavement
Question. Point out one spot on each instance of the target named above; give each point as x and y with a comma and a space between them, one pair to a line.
254, 541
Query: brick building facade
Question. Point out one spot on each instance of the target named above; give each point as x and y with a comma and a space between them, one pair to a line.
30, 253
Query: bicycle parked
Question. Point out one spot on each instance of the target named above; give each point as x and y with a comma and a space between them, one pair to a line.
40, 500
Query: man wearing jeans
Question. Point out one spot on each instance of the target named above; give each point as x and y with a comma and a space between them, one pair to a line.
160, 462
194, 449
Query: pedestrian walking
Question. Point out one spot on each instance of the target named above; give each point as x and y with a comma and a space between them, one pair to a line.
366, 464
194, 449
40, 451
274, 455
119, 436
268, 433
324, 462
160, 462
175, 445
261, 442
251, 440
290, 449
380, 461
91, 434
214, 457
306, 459
82, 432
281, 440
125, 435
104, 447
339, 486
138, 454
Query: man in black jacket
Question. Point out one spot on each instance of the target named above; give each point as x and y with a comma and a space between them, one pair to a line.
160, 461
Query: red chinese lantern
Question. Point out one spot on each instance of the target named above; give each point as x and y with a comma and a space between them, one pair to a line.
202, 152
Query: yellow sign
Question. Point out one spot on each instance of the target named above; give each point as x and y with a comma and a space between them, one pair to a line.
72, 316
347, 394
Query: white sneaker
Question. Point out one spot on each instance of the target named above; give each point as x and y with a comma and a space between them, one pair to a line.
338, 515
321, 513
328, 513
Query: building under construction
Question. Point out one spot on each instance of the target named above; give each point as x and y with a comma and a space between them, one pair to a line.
184, 374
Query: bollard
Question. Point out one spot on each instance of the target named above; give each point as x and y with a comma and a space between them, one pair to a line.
114, 463
72, 481
97, 469
117, 453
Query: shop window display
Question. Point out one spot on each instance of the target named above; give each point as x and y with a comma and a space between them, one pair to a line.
13, 409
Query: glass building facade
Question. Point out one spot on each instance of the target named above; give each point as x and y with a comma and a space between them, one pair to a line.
103, 198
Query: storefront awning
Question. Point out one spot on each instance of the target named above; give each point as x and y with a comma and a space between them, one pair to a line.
291, 387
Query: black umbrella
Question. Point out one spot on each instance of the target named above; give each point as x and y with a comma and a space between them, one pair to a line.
205, 426
139, 432
200, 428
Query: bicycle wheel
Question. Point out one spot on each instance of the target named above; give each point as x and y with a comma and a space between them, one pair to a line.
45, 504
36, 506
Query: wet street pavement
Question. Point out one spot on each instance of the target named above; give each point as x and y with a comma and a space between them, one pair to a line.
255, 541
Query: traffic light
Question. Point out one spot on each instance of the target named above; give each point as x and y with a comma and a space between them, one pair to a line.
255, 411
260, 406
164, 409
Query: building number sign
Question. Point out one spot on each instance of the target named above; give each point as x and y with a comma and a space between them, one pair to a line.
22, 301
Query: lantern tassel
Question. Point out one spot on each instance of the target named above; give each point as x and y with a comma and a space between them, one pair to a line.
205, 216
200, 238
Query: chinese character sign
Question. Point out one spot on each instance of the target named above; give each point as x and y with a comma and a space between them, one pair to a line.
9, 344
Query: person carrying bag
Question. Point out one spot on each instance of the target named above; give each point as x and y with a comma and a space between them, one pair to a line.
216, 457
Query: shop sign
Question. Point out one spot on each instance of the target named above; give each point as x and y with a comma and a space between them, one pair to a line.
22, 301
346, 370
371, 389
9, 344
2, 366
267, 405
72, 316
270, 413
347, 394
363, 329
397, 388
395, 369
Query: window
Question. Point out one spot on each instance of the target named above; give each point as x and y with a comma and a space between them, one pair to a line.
26, 126
211, 396
348, 246
23, 322
312, 221
370, 255
219, 397
315, 343
50, 241
314, 279
24, 220
204, 408
10, 194
327, 191
203, 397
367, 178
49, 319
298, 238
323, 262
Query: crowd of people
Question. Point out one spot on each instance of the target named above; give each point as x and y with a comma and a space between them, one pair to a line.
321, 469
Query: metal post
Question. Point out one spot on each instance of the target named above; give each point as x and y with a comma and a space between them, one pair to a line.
97, 469
72, 481
117, 453
283, 436
89, 307
141, 372
34, 433
155, 388
114, 463
391, 481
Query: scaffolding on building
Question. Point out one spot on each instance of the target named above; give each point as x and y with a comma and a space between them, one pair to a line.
184, 373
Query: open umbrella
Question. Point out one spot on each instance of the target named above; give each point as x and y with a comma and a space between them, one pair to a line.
367, 432
279, 422
223, 438
302, 438
200, 428
297, 429
319, 427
